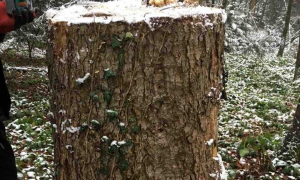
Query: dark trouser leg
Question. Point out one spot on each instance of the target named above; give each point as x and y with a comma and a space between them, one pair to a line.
5, 101
8, 170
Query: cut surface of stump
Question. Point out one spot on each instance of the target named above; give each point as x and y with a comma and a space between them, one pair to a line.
135, 90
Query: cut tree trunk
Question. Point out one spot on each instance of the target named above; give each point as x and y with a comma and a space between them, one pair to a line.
136, 99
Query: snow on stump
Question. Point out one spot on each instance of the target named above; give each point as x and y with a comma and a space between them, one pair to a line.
135, 90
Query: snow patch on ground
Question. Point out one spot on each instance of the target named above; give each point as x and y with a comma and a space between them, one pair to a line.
7, 44
27, 68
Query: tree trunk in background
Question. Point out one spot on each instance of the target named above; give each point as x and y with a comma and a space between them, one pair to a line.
229, 18
252, 6
225, 3
261, 23
225, 80
272, 13
149, 104
292, 139
297, 64
286, 29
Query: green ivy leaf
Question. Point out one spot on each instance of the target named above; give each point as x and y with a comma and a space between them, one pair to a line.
116, 42
108, 73
124, 165
113, 150
136, 129
128, 35
112, 115
95, 124
94, 97
107, 95
57, 172
103, 161
105, 139
132, 120
287, 170
83, 127
123, 150
127, 102
104, 170
244, 152
121, 60
122, 127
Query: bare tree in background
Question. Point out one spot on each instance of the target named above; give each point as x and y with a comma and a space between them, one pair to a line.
297, 73
286, 28
252, 5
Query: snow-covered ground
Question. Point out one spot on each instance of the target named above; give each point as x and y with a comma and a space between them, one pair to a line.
30, 132
261, 102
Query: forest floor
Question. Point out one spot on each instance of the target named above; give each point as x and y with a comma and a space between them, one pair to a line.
30, 132
261, 101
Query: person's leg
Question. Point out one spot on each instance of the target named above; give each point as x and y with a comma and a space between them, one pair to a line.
5, 101
8, 170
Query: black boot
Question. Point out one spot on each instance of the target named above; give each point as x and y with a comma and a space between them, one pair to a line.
8, 170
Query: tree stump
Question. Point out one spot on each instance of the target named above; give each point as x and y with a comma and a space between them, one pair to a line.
135, 91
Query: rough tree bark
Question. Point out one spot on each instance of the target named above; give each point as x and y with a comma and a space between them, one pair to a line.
148, 104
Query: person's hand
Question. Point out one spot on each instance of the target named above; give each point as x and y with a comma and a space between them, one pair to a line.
26, 16
12, 22
7, 23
